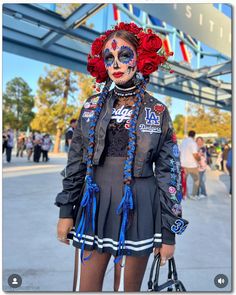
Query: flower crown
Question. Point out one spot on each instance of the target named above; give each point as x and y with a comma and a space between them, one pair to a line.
148, 60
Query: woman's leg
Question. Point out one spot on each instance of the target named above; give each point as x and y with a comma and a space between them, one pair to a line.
133, 276
93, 271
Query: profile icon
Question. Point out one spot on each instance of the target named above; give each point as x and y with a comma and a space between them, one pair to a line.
14, 281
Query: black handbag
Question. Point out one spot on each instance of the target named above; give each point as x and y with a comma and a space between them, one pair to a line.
172, 284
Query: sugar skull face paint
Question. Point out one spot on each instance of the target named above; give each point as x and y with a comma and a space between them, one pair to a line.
120, 59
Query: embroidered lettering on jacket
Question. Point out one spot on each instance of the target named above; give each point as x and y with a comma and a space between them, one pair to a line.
121, 114
149, 129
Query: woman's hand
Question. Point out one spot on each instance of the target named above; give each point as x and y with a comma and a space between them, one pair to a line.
64, 226
166, 252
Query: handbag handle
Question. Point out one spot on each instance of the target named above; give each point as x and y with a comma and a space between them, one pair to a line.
172, 276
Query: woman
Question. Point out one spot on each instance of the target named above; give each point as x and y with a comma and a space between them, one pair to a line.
202, 166
46, 145
125, 209
29, 146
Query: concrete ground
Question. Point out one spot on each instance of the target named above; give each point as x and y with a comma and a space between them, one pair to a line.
30, 247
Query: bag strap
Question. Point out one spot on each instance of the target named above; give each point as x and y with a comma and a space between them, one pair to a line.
156, 260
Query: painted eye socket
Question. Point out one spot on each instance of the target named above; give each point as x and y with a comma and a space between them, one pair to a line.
109, 59
125, 57
126, 54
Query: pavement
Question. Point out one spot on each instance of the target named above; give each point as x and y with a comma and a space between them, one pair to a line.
31, 250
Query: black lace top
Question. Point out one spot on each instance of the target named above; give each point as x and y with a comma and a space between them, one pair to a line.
117, 135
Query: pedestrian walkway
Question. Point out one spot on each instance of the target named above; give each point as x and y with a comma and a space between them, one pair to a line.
31, 248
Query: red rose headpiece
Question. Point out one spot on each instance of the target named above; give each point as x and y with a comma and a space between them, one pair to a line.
148, 60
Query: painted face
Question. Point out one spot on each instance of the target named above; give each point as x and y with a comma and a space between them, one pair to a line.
120, 59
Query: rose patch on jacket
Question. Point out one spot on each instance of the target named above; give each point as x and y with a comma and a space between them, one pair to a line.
159, 108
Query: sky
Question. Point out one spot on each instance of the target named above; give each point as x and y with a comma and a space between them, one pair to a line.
30, 70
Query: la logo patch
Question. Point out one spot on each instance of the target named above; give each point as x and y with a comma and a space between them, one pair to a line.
151, 118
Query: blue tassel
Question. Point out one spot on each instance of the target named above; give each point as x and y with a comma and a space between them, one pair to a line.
88, 202
125, 205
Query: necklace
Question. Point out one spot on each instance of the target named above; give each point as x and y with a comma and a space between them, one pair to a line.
125, 92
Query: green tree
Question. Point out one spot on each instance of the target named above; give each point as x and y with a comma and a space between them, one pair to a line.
18, 103
56, 102
178, 124
204, 120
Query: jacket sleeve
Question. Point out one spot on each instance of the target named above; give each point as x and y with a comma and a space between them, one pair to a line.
168, 175
74, 175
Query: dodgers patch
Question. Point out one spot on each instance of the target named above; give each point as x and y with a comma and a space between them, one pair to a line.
176, 151
149, 129
151, 118
88, 114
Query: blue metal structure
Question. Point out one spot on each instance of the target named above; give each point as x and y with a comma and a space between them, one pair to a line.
34, 32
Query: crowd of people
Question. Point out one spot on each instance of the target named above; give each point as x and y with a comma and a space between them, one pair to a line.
36, 145
197, 157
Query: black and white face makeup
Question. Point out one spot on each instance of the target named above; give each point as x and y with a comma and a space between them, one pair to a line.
120, 60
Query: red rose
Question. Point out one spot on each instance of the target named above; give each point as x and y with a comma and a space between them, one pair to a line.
108, 32
159, 108
150, 42
147, 63
174, 138
122, 26
96, 68
97, 46
135, 29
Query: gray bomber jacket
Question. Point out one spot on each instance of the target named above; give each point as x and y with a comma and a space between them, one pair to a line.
155, 145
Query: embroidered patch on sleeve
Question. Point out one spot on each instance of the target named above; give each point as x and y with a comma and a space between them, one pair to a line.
178, 227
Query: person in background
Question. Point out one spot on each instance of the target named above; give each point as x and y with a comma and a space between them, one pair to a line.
4, 141
219, 160
69, 134
229, 167
20, 145
46, 145
189, 160
29, 146
208, 154
37, 146
10, 144
202, 167
225, 157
